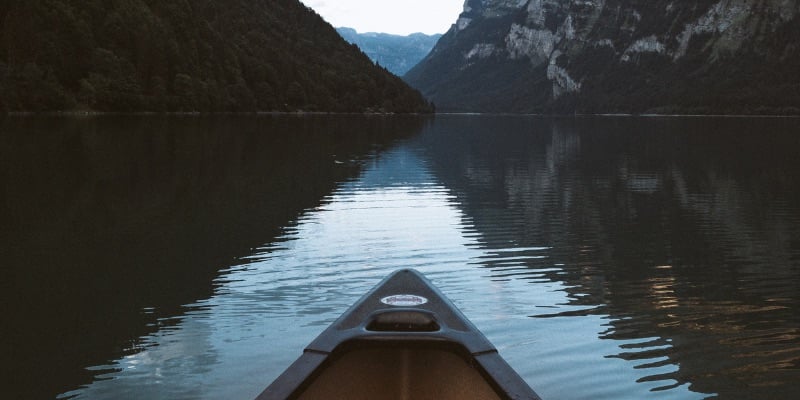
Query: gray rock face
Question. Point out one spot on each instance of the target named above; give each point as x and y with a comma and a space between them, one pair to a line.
615, 56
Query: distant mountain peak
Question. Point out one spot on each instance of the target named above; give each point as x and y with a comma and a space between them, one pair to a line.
396, 53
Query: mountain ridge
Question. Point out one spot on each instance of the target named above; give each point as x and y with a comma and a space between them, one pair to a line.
617, 56
397, 53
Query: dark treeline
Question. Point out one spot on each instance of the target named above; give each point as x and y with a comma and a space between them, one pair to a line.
180, 55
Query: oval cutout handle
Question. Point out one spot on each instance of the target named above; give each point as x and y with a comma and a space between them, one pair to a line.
403, 321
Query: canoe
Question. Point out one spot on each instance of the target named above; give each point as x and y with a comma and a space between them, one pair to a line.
402, 340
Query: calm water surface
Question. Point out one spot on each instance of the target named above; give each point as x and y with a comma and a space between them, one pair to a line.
606, 258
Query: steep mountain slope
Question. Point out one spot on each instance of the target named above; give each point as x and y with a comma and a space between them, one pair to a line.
394, 52
608, 56
176, 55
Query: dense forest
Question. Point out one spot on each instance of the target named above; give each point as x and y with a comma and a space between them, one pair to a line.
186, 56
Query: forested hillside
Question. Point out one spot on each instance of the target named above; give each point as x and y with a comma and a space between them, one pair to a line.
179, 55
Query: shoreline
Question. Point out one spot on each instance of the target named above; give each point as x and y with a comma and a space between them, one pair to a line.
186, 113
372, 114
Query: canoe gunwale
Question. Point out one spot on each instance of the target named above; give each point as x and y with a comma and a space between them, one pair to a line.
354, 331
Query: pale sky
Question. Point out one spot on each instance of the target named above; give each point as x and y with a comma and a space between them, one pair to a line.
400, 17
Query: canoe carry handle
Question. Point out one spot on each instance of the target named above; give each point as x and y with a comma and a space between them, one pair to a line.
403, 320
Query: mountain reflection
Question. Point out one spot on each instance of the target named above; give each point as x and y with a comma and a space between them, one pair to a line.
682, 231
111, 224
187, 257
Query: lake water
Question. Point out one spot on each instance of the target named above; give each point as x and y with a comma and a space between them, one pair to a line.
605, 257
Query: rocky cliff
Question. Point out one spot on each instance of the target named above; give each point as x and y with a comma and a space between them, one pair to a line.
396, 53
617, 56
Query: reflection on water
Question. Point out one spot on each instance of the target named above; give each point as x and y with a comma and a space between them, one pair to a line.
611, 258
267, 309
109, 226
681, 235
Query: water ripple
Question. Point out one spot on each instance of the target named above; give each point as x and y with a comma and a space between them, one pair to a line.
597, 271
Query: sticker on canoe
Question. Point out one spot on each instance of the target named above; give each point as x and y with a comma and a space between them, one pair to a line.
404, 300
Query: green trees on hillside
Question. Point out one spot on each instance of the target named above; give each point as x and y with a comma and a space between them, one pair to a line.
177, 55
